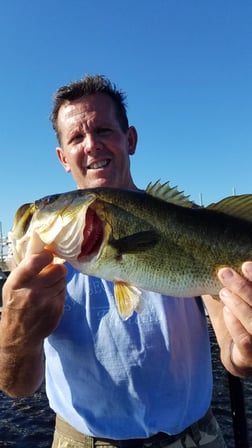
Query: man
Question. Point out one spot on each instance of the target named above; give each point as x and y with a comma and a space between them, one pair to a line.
141, 382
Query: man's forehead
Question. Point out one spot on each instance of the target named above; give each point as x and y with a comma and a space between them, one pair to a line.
93, 106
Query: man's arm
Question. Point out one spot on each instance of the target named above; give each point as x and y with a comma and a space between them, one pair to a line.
33, 303
231, 318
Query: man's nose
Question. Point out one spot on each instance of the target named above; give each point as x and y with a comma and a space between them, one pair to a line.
92, 143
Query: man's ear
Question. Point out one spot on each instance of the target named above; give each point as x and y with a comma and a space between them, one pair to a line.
132, 140
63, 160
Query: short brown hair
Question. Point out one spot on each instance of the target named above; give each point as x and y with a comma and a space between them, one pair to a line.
90, 85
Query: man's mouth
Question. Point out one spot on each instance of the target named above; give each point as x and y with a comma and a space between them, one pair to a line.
98, 165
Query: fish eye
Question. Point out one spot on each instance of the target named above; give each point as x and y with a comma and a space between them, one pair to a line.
50, 199
47, 200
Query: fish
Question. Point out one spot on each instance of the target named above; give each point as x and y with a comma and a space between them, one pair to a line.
155, 239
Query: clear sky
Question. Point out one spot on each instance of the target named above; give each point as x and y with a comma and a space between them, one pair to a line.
186, 66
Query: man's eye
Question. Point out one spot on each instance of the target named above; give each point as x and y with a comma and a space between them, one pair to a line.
77, 138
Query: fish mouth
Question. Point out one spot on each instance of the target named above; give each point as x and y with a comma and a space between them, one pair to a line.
92, 235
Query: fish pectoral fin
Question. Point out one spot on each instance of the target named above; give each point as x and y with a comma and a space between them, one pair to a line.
128, 299
137, 242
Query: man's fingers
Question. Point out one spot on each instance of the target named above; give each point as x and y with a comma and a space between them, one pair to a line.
241, 339
32, 265
234, 282
247, 270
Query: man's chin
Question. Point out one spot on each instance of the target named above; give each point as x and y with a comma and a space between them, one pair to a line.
96, 183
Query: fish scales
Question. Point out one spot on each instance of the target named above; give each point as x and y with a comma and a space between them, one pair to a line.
185, 233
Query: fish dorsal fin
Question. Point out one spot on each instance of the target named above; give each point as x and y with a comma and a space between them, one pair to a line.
168, 194
238, 206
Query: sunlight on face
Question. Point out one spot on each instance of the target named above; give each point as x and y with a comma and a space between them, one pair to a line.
93, 146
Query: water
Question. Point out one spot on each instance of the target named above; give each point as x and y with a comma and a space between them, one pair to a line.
29, 422
221, 402
26, 422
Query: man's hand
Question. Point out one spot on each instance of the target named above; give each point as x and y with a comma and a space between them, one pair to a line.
236, 296
33, 303
33, 296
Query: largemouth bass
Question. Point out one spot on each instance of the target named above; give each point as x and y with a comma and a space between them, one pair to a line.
155, 240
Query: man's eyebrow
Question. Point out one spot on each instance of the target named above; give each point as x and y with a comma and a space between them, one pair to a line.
75, 129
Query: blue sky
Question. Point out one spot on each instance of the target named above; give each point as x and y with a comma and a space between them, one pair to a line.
185, 65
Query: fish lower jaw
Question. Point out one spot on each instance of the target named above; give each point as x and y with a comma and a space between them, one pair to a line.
86, 265
83, 263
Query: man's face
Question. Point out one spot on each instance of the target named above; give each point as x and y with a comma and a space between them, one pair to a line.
93, 146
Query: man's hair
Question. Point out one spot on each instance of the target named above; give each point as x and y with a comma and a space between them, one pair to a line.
90, 85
